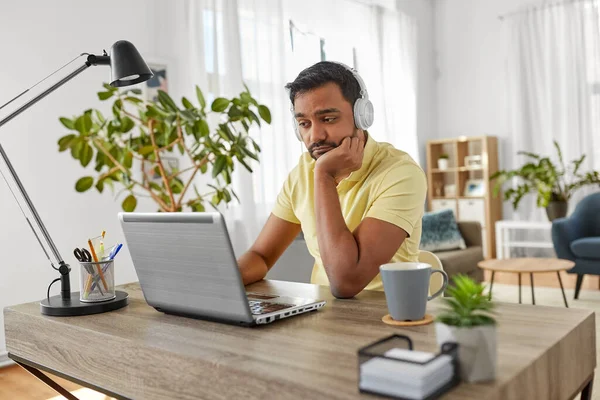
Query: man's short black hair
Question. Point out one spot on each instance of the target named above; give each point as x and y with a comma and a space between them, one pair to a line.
321, 73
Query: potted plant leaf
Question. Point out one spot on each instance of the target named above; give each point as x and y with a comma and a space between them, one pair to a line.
554, 184
468, 322
443, 161
134, 147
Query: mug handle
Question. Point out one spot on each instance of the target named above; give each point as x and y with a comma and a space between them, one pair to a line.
444, 284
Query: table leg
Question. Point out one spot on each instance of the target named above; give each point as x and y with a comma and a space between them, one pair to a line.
491, 285
519, 288
39, 371
45, 379
562, 289
586, 393
532, 294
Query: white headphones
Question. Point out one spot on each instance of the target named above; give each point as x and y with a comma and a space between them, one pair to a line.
362, 109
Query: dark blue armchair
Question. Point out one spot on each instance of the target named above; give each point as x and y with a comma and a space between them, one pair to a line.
577, 238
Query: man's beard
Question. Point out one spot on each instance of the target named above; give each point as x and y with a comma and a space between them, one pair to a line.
326, 145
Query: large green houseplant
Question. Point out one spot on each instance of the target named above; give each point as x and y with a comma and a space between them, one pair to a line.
128, 147
468, 321
553, 183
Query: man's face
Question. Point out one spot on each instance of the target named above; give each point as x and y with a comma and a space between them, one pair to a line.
324, 119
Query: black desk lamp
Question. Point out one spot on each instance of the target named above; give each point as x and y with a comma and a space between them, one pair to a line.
127, 68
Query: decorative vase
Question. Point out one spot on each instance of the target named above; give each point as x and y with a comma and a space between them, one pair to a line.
557, 209
442, 163
476, 350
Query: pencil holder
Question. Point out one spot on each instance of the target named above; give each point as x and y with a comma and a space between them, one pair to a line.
97, 281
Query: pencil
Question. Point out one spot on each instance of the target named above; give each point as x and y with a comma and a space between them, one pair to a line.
97, 266
86, 290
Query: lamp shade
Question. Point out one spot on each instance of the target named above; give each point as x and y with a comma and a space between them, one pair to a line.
127, 65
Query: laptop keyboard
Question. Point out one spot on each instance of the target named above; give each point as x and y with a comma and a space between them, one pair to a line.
264, 307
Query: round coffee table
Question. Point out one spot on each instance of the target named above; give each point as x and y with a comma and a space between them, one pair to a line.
527, 266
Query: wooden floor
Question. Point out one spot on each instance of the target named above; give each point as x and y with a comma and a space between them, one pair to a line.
16, 383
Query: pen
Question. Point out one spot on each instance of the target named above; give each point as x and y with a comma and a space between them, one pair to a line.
88, 282
102, 244
97, 279
97, 239
108, 252
90, 270
97, 266
114, 253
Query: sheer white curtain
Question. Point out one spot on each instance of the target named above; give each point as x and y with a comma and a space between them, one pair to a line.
236, 41
397, 37
244, 41
553, 69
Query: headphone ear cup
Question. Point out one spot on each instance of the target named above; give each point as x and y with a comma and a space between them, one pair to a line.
363, 113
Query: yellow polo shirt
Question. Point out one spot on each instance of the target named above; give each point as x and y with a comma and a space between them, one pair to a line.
389, 186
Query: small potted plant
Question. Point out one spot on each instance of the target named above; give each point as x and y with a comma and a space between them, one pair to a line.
443, 161
468, 322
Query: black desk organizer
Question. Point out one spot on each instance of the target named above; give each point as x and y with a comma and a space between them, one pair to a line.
379, 348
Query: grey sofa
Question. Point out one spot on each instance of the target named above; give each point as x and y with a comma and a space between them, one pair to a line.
465, 261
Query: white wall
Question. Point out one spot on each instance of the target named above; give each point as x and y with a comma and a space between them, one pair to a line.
423, 13
471, 48
37, 37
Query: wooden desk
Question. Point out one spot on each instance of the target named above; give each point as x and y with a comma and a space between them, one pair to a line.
137, 352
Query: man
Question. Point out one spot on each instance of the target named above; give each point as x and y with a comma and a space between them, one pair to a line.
358, 202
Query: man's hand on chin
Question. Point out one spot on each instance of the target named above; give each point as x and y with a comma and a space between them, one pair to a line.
343, 160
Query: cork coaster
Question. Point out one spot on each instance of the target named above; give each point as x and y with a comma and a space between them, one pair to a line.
426, 320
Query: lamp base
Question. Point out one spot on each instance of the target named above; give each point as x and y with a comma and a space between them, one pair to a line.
56, 307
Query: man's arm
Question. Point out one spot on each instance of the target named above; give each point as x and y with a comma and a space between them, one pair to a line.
351, 259
273, 240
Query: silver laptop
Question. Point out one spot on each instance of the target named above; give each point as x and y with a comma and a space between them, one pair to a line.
186, 266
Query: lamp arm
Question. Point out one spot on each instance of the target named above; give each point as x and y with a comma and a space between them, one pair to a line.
44, 93
63, 268
42, 80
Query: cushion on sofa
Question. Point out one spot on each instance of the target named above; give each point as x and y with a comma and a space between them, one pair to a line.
440, 232
461, 261
588, 247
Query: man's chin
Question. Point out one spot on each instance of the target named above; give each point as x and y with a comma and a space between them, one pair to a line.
318, 153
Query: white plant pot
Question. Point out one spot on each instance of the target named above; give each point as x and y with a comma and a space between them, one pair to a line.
476, 350
443, 163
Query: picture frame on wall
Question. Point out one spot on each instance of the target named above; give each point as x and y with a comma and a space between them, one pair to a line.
160, 80
170, 164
